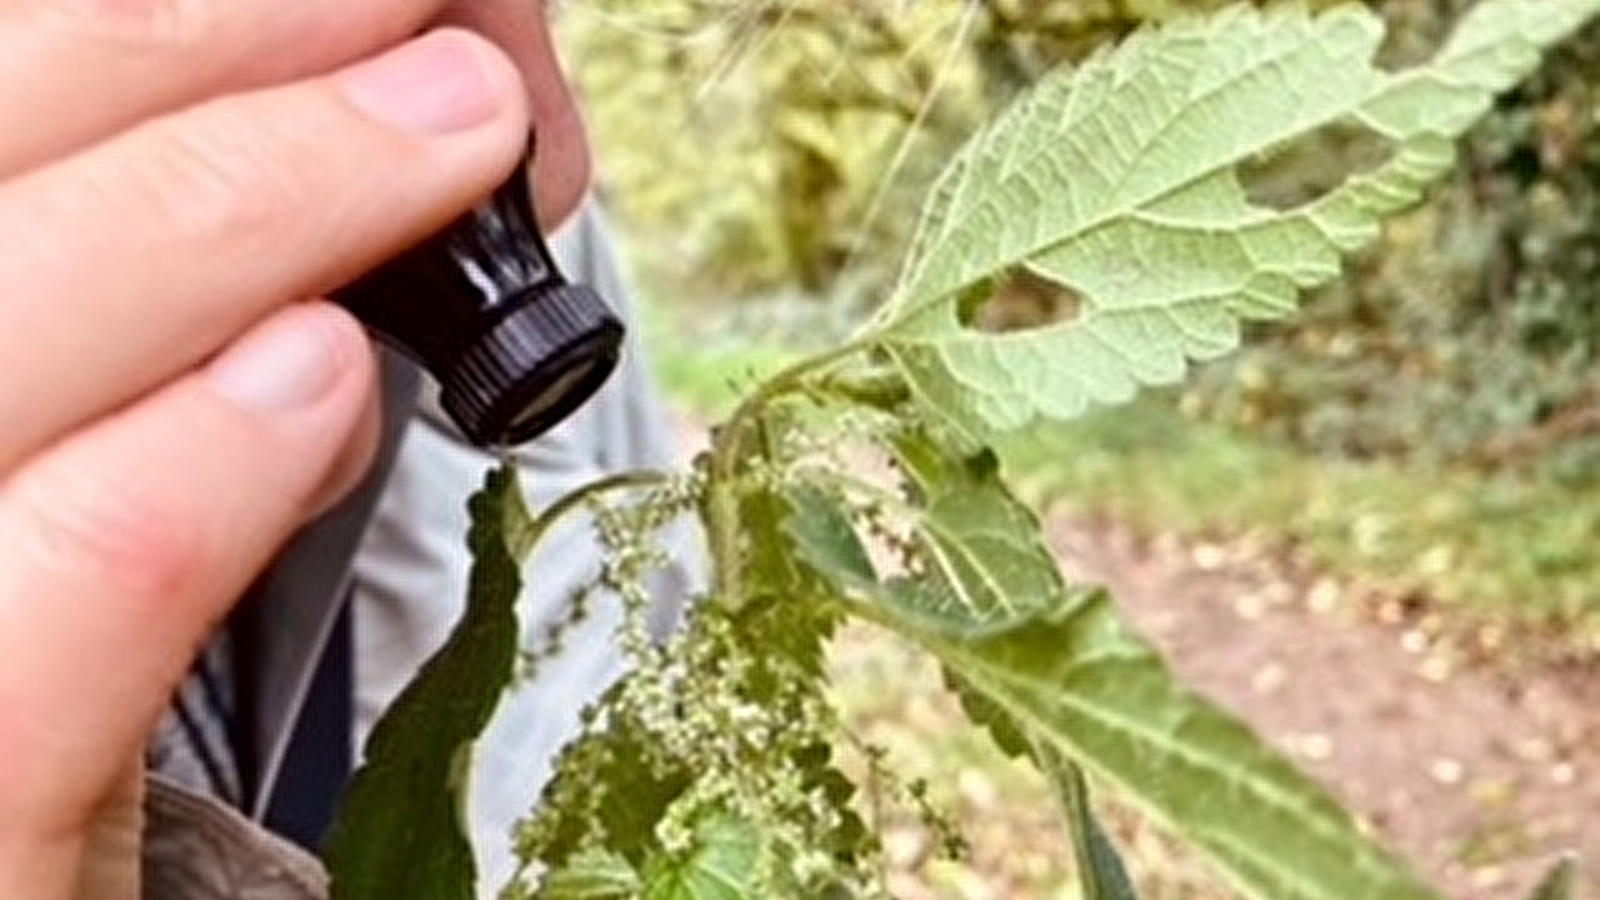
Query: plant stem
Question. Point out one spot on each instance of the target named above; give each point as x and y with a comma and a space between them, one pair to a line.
626, 481
730, 445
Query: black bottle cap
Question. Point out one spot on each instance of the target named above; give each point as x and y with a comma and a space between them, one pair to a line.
572, 341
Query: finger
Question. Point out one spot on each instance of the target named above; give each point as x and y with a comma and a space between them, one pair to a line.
109, 868
562, 167
121, 546
131, 263
355, 463
76, 71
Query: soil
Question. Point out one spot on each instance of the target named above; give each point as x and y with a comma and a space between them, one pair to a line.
1482, 768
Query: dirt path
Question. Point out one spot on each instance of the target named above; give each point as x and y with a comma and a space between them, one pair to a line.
1481, 778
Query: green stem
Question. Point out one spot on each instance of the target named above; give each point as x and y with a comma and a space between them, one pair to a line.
626, 481
730, 445
1075, 799
1101, 874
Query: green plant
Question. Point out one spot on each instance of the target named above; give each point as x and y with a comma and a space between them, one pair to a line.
1470, 339
859, 484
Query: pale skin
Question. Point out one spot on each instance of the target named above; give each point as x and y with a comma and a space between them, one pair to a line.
178, 178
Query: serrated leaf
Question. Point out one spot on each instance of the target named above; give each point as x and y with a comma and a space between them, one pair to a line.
1079, 683
981, 545
1005, 733
775, 577
1065, 675
400, 830
592, 875
1100, 866
1119, 181
629, 793
823, 537
722, 866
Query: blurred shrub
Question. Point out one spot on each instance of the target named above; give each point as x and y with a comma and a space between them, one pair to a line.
772, 148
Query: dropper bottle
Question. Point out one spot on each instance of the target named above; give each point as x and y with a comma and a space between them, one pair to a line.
515, 347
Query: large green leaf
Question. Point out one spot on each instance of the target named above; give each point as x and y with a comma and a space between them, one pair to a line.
981, 549
1056, 673
400, 830
1120, 181
1080, 684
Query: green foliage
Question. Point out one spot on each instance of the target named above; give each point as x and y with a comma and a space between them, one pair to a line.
593, 876
1142, 214
790, 142
1081, 682
772, 131
804, 132
1470, 338
1061, 670
399, 831
720, 867
860, 484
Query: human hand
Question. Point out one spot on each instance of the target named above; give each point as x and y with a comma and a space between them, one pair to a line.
174, 176
561, 165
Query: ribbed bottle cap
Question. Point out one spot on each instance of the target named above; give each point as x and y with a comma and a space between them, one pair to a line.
534, 367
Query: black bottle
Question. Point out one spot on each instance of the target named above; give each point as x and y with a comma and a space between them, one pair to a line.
515, 347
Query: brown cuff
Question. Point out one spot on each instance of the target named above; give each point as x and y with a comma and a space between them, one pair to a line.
196, 848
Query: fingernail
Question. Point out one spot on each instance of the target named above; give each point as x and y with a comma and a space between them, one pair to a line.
436, 84
289, 363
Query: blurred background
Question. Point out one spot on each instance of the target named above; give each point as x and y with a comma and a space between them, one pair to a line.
1407, 473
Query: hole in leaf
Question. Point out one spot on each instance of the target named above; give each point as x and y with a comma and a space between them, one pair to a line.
1415, 32
1022, 300
1294, 173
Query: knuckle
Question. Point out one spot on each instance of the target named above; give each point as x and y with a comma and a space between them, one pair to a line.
107, 533
152, 25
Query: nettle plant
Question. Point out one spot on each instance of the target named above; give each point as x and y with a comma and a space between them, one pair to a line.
860, 485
